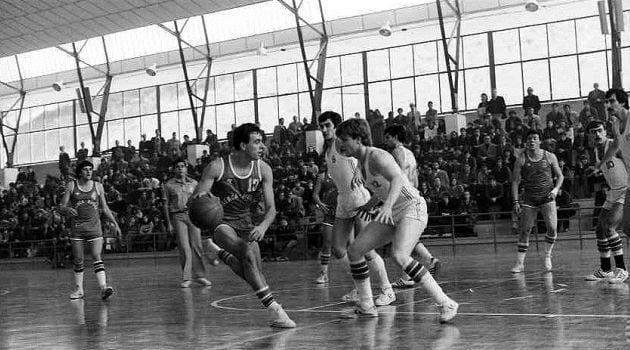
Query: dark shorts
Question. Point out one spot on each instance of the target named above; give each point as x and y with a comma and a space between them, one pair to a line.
241, 230
536, 201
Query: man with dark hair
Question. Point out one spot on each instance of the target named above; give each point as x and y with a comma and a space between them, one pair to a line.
394, 139
175, 194
400, 219
241, 180
536, 169
608, 240
531, 100
351, 194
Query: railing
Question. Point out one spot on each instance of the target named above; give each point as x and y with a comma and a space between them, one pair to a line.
306, 237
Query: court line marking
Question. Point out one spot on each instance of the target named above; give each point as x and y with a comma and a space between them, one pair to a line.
276, 334
518, 298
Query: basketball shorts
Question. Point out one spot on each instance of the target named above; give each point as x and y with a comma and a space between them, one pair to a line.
613, 196
241, 230
536, 201
349, 202
414, 210
82, 235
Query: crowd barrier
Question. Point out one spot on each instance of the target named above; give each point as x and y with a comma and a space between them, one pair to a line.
304, 238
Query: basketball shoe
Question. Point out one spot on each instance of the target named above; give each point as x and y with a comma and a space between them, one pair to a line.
107, 292
77, 294
360, 312
351, 297
279, 317
600, 275
447, 310
621, 276
322, 279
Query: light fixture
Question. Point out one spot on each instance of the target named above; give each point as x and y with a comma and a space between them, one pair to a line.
151, 70
261, 51
58, 85
385, 30
532, 5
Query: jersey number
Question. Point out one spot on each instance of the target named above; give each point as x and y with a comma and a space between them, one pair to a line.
253, 185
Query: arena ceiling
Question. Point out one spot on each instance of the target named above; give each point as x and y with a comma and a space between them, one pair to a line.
31, 25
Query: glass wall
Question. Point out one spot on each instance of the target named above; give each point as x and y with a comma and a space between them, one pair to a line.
560, 60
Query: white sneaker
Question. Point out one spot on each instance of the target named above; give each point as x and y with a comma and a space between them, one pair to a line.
323, 278
548, 265
518, 268
621, 276
280, 318
77, 294
448, 310
600, 275
204, 282
386, 297
351, 297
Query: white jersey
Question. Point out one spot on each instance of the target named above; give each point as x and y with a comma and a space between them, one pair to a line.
380, 186
408, 164
614, 170
341, 169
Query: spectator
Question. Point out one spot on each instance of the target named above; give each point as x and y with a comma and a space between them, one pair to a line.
532, 120
555, 115
596, 99
430, 114
377, 127
564, 148
82, 153
496, 107
146, 147
587, 114
531, 100
414, 120
280, 132
64, 162
159, 145
295, 128
400, 118
174, 146
487, 151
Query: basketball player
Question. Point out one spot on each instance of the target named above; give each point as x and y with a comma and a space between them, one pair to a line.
401, 219
241, 180
325, 198
394, 138
351, 194
536, 168
608, 240
81, 202
175, 193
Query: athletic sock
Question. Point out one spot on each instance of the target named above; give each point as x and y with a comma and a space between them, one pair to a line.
361, 279
604, 254
227, 257
420, 275
616, 247
78, 279
378, 266
99, 270
265, 296
324, 260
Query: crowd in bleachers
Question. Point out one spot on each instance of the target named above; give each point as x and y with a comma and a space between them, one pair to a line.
460, 172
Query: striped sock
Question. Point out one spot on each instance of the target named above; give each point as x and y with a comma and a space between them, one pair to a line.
415, 270
324, 260
226, 257
616, 246
604, 254
265, 296
99, 270
521, 252
361, 278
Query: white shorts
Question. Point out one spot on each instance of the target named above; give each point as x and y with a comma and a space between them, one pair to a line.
415, 210
613, 196
347, 203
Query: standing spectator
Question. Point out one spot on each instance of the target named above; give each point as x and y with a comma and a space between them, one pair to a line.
483, 105
174, 146
176, 193
389, 121
82, 153
496, 107
596, 99
413, 118
159, 145
280, 132
400, 118
430, 114
130, 151
146, 147
64, 161
531, 100
295, 128
377, 127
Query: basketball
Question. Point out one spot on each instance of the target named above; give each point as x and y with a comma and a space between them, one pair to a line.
206, 212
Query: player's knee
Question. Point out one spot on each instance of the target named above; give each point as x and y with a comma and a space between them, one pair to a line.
355, 253
338, 252
399, 257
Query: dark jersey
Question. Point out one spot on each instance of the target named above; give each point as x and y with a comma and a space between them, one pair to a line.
88, 219
537, 180
239, 195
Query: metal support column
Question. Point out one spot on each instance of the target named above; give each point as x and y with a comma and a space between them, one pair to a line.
315, 93
191, 84
10, 149
452, 63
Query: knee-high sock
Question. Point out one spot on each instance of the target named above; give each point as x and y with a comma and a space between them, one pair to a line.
522, 251
616, 247
604, 254
324, 260
78, 278
377, 265
550, 241
420, 275
361, 279
99, 270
